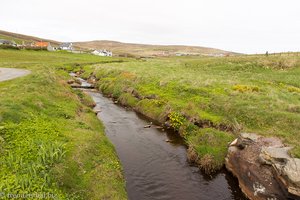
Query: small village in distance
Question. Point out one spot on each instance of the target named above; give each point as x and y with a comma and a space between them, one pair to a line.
42, 45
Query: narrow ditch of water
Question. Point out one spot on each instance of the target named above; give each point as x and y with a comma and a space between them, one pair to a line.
156, 169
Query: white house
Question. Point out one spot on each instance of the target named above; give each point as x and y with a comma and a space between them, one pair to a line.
66, 46
102, 52
50, 48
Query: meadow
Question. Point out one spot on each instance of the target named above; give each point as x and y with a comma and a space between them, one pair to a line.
51, 142
210, 101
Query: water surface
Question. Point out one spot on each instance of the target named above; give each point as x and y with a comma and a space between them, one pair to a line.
156, 169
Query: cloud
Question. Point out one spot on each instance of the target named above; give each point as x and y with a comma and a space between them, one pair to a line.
242, 26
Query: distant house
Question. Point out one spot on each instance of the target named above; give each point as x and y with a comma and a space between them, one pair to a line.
43, 45
181, 54
66, 46
102, 52
7, 42
217, 55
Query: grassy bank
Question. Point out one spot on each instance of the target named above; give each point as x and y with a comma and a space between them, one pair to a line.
50, 140
211, 100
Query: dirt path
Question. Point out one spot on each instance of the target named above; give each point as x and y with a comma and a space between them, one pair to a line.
11, 73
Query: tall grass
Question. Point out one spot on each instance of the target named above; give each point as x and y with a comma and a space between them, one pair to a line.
234, 94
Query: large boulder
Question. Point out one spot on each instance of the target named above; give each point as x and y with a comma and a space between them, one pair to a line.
264, 168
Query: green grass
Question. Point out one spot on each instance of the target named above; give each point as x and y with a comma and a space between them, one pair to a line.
210, 146
209, 101
50, 139
233, 94
4, 37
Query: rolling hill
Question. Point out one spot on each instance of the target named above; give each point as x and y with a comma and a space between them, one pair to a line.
149, 50
123, 49
19, 38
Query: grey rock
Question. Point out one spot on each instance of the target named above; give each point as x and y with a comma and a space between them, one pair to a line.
291, 172
275, 154
250, 136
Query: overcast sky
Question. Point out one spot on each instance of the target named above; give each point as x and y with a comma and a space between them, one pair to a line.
247, 26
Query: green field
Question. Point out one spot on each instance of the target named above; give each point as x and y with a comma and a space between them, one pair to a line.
211, 100
50, 139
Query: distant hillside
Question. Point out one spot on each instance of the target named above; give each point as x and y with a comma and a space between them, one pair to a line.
149, 50
123, 49
19, 38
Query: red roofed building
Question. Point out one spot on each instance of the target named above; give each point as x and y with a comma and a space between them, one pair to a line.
41, 44
44, 45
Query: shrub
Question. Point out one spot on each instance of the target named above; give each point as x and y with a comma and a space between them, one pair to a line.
211, 147
245, 88
176, 120
9, 47
279, 63
293, 89
85, 99
127, 99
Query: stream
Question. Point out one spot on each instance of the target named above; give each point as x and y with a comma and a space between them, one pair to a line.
155, 169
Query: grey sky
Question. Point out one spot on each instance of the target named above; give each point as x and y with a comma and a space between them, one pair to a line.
248, 26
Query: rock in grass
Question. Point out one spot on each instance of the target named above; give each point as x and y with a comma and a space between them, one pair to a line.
151, 96
71, 81
287, 168
291, 172
264, 168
